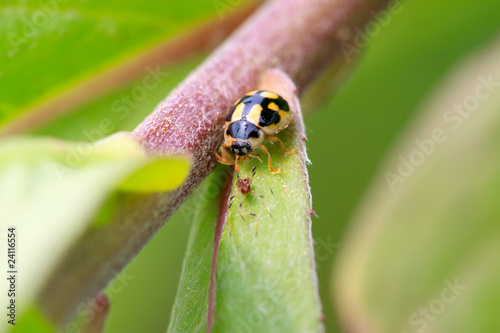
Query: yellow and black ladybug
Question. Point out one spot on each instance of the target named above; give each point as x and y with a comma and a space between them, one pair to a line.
254, 118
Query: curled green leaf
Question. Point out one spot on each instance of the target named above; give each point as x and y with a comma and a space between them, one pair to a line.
65, 185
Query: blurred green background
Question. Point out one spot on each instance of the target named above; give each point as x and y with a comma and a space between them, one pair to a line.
348, 137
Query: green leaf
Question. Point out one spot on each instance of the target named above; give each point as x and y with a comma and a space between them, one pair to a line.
72, 43
265, 272
64, 185
156, 176
95, 34
110, 113
189, 312
422, 253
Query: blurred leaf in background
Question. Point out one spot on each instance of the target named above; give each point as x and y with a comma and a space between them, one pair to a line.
72, 52
351, 136
64, 185
48, 47
424, 251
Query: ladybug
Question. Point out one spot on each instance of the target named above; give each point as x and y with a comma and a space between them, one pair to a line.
256, 117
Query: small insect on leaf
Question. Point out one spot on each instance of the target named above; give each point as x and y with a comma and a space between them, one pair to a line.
256, 117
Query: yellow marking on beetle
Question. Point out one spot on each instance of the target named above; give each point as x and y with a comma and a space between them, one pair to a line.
268, 94
273, 106
238, 112
272, 129
254, 115
251, 93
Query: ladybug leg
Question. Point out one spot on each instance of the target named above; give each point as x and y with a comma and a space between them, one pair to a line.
227, 158
236, 166
273, 138
256, 156
269, 162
